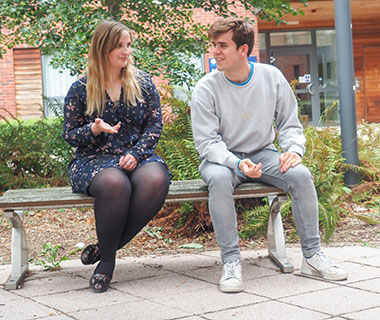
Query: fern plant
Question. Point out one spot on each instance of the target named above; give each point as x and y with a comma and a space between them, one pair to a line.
323, 158
367, 194
176, 144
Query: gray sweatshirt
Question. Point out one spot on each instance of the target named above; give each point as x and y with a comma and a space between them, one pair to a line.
229, 117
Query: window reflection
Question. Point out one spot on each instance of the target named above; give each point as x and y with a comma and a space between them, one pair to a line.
290, 38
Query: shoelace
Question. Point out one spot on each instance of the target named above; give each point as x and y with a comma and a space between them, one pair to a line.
325, 260
230, 269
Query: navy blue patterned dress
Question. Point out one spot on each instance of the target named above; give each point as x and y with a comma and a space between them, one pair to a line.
141, 127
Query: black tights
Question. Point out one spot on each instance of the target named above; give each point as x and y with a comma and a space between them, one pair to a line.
123, 205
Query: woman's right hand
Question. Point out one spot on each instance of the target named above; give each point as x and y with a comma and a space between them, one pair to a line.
100, 126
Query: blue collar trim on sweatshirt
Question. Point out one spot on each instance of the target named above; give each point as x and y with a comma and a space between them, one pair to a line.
245, 82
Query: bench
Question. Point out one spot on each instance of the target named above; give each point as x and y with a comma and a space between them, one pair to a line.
14, 202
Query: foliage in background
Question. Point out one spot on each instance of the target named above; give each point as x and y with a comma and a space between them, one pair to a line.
168, 39
323, 158
33, 154
176, 144
367, 194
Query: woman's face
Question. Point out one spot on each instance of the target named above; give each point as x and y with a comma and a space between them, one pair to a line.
118, 57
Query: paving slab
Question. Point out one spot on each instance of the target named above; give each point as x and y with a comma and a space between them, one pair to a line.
373, 313
210, 299
373, 261
368, 285
271, 310
185, 287
135, 310
359, 272
180, 263
46, 283
213, 273
336, 301
24, 309
162, 286
5, 270
81, 300
284, 285
8, 296
356, 252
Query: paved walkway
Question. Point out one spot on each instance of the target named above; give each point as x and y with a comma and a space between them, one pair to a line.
185, 287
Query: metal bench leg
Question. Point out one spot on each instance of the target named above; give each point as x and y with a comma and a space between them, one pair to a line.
19, 250
276, 239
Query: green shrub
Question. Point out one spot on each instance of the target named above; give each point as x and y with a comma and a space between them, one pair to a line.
33, 154
176, 144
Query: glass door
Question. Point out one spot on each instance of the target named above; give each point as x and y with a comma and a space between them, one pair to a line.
327, 77
298, 66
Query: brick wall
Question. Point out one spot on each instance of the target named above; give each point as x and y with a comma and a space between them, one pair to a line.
206, 18
7, 85
7, 82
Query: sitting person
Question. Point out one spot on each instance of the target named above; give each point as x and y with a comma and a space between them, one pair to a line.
232, 111
112, 117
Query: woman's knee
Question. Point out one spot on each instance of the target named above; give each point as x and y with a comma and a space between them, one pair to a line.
110, 181
159, 179
153, 174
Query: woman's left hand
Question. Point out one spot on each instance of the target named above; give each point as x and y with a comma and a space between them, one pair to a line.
128, 162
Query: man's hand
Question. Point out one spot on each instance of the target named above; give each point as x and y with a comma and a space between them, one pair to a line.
100, 126
289, 160
250, 169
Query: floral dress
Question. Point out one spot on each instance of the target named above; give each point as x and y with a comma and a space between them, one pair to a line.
141, 127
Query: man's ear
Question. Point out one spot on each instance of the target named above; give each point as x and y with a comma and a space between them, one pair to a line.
244, 49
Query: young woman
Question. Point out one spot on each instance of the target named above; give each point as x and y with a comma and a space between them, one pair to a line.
113, 119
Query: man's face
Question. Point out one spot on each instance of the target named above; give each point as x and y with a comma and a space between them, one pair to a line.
227, 55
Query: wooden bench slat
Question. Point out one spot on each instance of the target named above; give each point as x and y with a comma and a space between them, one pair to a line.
184, 190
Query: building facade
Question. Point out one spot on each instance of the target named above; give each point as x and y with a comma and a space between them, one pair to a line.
304, 49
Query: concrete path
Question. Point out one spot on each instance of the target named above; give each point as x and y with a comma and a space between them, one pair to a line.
185, 287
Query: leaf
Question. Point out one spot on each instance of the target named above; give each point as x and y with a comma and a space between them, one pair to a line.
191, 246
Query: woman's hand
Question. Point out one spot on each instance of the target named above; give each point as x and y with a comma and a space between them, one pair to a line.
128, 162
100, 126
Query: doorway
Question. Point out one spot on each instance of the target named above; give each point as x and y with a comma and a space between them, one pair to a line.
296, 65
372, 82
308, 61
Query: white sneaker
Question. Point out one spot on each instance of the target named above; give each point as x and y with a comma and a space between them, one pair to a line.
231, 279
319, 265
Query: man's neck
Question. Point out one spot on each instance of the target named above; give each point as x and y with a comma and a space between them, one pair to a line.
239, 75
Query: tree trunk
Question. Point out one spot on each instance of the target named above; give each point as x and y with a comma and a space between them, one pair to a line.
113, 8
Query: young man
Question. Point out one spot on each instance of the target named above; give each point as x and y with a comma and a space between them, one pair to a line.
232, 110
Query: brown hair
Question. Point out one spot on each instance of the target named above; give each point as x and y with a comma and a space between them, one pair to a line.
242, 30
106, 37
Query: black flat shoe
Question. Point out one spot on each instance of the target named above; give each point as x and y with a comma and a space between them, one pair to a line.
99, 282
90, 254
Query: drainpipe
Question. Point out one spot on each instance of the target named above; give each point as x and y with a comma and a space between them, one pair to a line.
344, 47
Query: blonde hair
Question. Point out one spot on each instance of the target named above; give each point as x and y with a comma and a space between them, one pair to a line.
106, 37
242, 31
